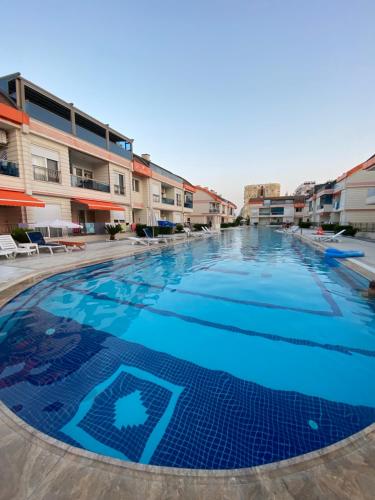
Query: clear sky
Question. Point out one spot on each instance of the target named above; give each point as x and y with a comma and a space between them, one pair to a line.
224, 93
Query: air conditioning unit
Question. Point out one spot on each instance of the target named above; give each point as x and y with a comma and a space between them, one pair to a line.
3, 137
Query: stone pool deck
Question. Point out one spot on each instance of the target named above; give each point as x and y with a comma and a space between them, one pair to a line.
363, 265
34, 466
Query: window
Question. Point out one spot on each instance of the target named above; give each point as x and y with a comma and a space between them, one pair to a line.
45, 169
136, 185
119, 183
83, 172
298, 209
277, 211
178, 199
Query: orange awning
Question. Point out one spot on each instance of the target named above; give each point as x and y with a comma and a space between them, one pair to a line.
98, 205
18, 199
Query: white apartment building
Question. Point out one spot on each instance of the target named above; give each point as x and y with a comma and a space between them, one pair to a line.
347, 200
277, 210
159, 194
211, 209
57, 162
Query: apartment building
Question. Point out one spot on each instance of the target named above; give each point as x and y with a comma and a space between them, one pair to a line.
159, 194
211, 209
305, 189
77, 168
57, 162
277, 210
350, 199
258, 191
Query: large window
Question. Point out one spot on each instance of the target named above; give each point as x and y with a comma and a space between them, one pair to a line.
277, 211
45, 169
119, 183
178, 199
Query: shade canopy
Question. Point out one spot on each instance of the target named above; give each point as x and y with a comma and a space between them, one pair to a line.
57, 223
98, 205
18, 199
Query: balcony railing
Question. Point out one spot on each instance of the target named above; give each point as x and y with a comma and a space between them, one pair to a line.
167, 201
188, 204
214, 210
46, 174
9, 168
84, 183
119, 189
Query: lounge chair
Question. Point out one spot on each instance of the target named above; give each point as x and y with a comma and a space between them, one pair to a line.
329, 237
136, 240
194, 234
8, 245
37, 238
151, 239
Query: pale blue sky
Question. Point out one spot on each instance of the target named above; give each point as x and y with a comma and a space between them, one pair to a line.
225, 93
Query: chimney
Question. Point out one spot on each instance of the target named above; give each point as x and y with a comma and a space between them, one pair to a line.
146, 156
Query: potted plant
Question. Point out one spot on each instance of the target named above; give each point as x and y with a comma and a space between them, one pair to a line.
112, 230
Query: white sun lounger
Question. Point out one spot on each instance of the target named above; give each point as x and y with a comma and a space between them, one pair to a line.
329, 237
8, 245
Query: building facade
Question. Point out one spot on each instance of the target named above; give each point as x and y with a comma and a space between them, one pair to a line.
57, 162
258, 191
210, 208
158, 194
350, 199
275, 210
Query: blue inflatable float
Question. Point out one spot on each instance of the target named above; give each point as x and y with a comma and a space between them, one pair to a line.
343, 254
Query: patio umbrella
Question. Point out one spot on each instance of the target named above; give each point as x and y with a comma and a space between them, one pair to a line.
152, 220
58, 223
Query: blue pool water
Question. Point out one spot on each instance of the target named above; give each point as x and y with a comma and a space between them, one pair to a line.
227, 352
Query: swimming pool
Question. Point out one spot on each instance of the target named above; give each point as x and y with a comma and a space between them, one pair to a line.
227, 352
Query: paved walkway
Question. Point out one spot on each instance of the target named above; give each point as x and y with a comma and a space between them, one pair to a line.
364, 265
22, 267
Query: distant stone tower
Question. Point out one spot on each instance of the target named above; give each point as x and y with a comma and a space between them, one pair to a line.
252, 191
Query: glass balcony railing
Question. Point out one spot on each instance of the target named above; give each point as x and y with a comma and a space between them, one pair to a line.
120, 150
167, 201
188, 204
9, 168
46, 174
46, 116
83, 182
214, 210
89, 136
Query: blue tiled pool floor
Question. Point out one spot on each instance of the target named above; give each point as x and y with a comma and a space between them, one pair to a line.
225, 353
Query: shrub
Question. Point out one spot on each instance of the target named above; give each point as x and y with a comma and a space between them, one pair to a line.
198, 227
304, 225
179, 228
139, 230
349, 230
19, 234
329, 227
163, 230
112, 230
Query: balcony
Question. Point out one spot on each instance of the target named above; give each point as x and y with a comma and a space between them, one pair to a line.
47, 174
83, 182
214, 210
188, 204
9, 168
167, 201
47, 116
327, 207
